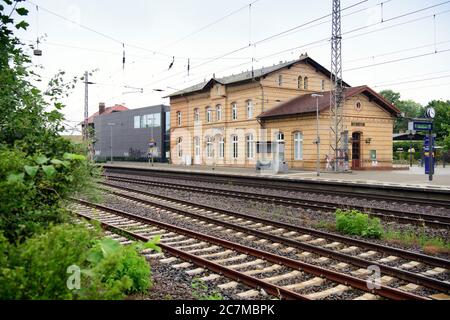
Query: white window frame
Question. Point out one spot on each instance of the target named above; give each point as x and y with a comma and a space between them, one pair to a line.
279, 136
249, 146
197, 146
234, 111
221, 148
298, 145
249, 109
218, 112
299, 82
234, 146
137, 122
209, 147
179, 118
179, 147
196, 115
208, 114
305, 83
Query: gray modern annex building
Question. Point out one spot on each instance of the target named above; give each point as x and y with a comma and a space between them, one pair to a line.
127, 134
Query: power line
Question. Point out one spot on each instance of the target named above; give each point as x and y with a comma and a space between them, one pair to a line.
12, 11
398, 51
209, 25
308, 45
411, 81
239, 49
398, 60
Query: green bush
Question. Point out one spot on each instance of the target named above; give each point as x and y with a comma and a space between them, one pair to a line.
32, 189
38, 267
355, 222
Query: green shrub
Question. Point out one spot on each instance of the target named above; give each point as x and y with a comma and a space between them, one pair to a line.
38, 267
355, 222
32, 190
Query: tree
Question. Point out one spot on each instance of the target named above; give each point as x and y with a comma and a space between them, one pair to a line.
410, 108
39, 169
441, 121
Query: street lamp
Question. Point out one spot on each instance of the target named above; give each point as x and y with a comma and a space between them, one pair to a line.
317, 96
152, 140
111, 124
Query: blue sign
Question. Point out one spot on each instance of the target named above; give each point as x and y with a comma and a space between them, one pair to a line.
422, 126
429, 156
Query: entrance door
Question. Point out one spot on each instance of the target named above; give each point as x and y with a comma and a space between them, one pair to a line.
356, 150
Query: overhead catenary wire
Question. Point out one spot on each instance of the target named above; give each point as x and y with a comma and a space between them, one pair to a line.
325, 40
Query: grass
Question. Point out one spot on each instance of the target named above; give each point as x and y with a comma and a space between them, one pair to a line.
354, 222
409, 238
200, 291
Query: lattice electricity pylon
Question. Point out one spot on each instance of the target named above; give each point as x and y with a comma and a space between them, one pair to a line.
338, 138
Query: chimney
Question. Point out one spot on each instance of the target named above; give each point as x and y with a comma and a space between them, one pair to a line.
101, 108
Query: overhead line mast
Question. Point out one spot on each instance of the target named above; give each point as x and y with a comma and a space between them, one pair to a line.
338, 137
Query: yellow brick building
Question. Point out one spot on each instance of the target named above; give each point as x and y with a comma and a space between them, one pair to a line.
225, 121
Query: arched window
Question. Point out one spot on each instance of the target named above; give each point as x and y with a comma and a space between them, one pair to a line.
208, 115
299, 82
323, 85
234, 111
221, 147
249, 109
218, 112
197, 146
179, 147
209, 147
179, 118
280, 80
234, 146
305, 83
196, 115
298, 145
249, 146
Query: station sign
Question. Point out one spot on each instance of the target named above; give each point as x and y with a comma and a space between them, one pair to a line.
422, 126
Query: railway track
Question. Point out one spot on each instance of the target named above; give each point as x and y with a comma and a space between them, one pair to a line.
437, 221
231, 264
410, 267
411, 195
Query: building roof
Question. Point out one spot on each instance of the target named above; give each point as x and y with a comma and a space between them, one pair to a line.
306, 103
249, 76
116, 108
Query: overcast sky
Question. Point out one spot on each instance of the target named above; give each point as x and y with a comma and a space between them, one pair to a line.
162, 29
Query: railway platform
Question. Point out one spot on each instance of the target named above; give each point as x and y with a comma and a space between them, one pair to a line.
412, 178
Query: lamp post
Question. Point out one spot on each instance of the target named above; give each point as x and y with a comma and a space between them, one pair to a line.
152, 138
111, 124
317, 96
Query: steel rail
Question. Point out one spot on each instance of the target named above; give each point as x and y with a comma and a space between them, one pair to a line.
253, 282
384, 291
430, 220
435, 261
412, 195
392, 271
